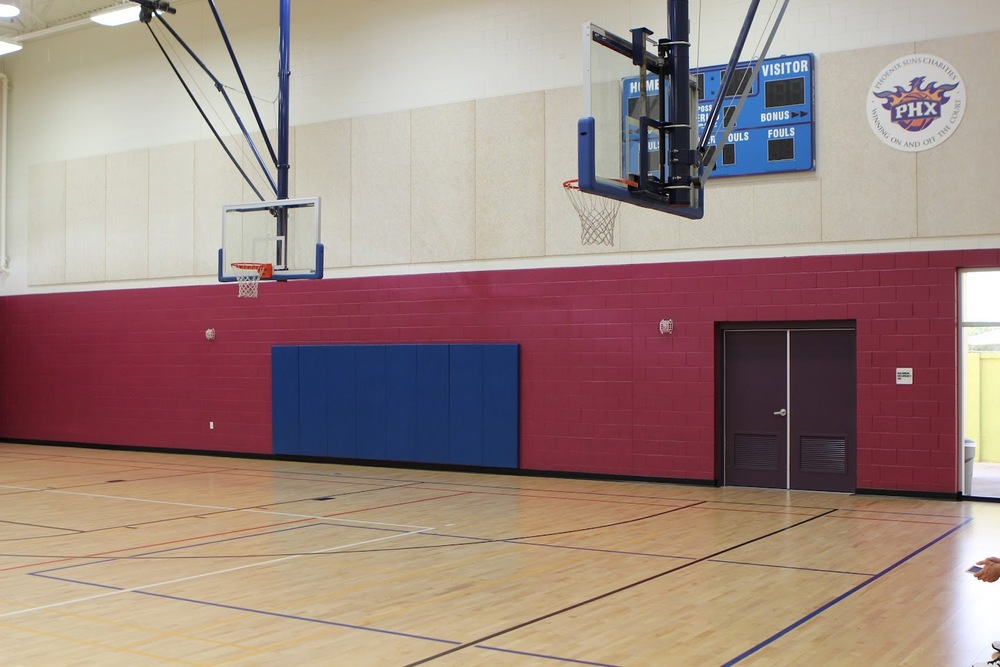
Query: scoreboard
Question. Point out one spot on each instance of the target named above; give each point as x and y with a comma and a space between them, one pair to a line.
774, 132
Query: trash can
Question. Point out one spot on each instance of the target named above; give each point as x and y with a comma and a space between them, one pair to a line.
970, 459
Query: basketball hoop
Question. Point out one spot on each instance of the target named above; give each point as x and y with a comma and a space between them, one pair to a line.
597, 214
248, 275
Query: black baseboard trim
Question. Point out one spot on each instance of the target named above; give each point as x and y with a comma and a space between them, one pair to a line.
371, 463
928, 495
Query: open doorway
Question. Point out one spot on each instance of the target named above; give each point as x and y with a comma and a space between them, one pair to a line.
980, 373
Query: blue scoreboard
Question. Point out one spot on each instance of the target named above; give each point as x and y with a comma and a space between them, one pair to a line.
774, 132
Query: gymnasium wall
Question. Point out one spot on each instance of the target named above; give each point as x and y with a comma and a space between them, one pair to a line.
438, 135
602, 391
447, 151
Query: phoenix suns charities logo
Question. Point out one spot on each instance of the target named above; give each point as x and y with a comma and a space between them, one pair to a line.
916, 102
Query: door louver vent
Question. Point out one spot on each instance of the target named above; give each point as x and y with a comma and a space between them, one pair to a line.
823, 455
753, 451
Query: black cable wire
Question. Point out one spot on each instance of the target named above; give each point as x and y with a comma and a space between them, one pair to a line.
204, 116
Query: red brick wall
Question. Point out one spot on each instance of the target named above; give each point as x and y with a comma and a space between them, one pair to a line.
601, 390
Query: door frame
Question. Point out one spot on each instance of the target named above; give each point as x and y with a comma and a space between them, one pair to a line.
720, 379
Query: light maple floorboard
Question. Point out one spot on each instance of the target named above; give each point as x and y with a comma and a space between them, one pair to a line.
112, 557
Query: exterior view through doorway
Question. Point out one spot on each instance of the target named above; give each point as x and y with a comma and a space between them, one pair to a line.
980, 384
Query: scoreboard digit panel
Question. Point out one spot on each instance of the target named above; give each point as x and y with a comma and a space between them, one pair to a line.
774, 132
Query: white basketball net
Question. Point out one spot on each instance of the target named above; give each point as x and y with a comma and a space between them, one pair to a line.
597, 215
247, 278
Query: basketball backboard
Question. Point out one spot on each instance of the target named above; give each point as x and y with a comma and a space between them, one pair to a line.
638, 138
616, 138
283, 233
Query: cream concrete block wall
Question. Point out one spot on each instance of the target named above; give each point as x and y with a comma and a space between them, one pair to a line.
216, 184
171, 211
869, 189
510, 173
380, 189
957, 180
323, 169
727, 221
393, 182
127, 211
443, 183
47, 224
787, 210
86, 235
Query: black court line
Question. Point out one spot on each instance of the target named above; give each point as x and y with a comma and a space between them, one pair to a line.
781, 633
340, 476
620, 589
181, 517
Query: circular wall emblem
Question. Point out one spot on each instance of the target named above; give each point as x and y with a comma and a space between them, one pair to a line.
916, 102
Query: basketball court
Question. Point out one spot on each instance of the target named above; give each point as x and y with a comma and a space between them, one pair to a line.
128, 558
432, 424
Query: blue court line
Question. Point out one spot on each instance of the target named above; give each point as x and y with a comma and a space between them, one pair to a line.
547, 657
840, 598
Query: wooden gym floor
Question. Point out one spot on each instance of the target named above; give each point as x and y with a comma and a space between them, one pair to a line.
135, 558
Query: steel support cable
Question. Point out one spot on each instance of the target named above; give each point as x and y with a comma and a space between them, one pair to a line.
222, 90
243, 81
204, 116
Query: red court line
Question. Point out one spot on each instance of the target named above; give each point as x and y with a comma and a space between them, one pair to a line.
408, 502
157, 544
228, 532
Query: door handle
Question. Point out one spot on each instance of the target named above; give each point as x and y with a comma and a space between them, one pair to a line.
782, 412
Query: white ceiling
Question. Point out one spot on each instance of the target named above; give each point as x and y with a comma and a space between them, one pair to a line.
44, 15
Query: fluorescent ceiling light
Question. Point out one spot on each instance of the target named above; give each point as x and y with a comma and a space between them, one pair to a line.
8, 11
121, 16
8, 47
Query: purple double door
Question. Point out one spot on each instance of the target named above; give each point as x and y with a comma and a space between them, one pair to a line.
790, 408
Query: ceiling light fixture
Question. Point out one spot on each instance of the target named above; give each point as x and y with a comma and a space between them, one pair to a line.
8, 47
8, 11
116, 17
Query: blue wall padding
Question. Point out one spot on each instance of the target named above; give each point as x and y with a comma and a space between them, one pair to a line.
433, 403
401, 402
341, 386
500, 396
313, 404
465, 446
451, 404
285, 399
373, 409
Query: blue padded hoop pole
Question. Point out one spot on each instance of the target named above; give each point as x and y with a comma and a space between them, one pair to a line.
284, 50
679, 128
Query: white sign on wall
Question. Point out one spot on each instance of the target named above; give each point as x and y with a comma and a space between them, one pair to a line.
916, 102
904, 376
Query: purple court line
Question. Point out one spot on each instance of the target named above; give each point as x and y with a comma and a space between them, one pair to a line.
347, 626
292, 617
320, 523
44, 574
839, 598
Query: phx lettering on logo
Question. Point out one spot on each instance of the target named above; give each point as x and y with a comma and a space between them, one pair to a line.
915, 109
